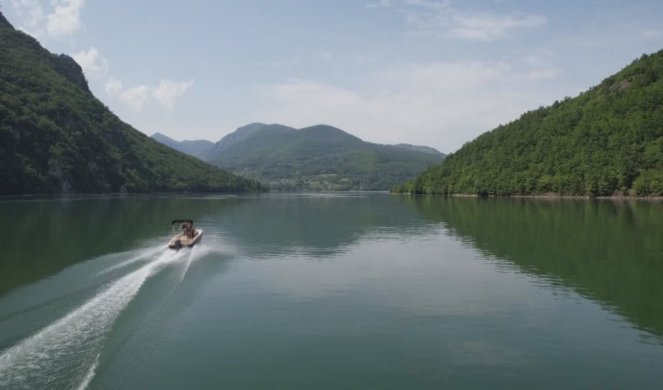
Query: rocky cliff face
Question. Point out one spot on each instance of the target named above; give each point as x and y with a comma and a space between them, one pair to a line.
69, 68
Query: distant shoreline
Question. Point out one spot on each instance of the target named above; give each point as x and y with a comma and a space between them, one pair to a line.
550, 196
587, 197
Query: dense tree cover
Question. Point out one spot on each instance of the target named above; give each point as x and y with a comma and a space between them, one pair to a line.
316, 158
605, 141
56, 137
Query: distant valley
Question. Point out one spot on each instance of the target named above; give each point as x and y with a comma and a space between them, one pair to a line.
315, 158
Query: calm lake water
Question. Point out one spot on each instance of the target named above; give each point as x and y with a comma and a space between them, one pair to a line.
331, 291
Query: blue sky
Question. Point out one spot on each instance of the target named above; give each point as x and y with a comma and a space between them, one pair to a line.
426, 72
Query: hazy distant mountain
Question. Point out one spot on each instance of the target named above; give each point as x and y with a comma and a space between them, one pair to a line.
245, 132
607, 140
418, 148
317, 158
198, 148
56, 137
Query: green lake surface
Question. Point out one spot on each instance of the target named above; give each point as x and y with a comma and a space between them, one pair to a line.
316, 291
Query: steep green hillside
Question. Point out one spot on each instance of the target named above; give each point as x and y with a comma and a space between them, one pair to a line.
56, 137
607, 140
317, 158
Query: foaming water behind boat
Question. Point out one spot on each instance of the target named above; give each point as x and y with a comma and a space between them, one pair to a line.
64, 354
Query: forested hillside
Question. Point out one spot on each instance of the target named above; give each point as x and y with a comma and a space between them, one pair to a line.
56, 137
316, 158
605, 141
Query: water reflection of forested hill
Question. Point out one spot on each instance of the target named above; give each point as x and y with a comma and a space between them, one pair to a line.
318, 225
611, 252
43, 236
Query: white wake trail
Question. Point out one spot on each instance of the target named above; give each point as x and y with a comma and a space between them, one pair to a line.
90, 374
65, 353
141, 255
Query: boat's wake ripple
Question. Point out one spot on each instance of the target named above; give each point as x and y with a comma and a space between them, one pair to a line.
65, 353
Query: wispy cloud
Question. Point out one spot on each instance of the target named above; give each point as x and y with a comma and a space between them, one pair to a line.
94, 65
31, 15
66, 18
442, 104
113, 87
442, 19
167, 92
487, 27
139, 97
430, 4
61, 18
381, 3
135, 97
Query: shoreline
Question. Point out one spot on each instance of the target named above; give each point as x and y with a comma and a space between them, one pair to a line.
550, 196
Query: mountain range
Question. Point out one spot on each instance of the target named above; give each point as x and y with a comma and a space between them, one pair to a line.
318, 157
56, 137
606, 141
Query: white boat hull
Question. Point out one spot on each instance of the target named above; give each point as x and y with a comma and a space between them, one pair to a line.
184, 241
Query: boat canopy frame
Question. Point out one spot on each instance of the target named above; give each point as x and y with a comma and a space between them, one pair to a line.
181, 220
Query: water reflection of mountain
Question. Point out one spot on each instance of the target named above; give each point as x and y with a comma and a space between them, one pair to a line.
611, 252
318, 225
44, 236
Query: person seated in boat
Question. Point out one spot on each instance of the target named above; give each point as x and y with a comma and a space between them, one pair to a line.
187, 229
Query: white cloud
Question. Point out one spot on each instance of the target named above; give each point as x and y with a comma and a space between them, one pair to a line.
61, 18
441, 19
65, 19
135, 97
452, 77
486, 27
139, 97
31, 16
94, 65
431, 4
381, 3
440, 104
168, 91
113, 87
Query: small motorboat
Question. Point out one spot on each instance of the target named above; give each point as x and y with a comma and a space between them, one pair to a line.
187, 236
